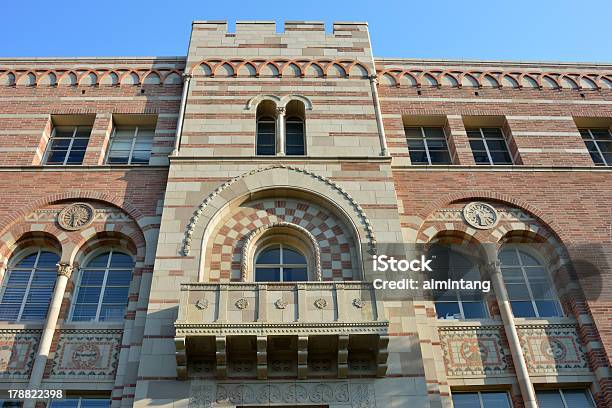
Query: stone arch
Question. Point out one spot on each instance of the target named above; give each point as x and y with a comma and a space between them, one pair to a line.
20, 237
253, 102
130, 243
245, 264
293, 97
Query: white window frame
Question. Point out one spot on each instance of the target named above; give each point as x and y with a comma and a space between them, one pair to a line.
303, 123
555, 295
107, 270
595, 142
281, 265
484, 141
264, 120
49, 144
424, 138
480, 401
29, 284
560, 391
131, 154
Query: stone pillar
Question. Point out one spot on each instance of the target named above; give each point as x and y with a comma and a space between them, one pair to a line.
493, 272
280, 133
64, 271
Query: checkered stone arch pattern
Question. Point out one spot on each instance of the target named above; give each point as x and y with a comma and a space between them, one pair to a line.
336, 244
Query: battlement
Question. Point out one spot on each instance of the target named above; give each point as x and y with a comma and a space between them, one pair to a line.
262, 39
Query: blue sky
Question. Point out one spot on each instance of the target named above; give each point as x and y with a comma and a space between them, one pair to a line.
562, 30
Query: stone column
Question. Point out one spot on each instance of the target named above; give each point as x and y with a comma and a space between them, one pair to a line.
64, 271
493, 272
280, 132
384, 151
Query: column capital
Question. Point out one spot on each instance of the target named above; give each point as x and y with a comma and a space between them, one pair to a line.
281, 110
64, 269
491, 267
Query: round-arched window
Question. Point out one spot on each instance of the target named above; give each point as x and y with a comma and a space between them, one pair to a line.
103, 288
28, 287
530, 290
280, 263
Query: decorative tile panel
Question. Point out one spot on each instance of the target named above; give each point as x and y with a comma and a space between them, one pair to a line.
17, 352
474, 351
87, 353
338, 394
550, 349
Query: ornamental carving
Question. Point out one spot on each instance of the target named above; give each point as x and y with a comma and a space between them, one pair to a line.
280, 304
242, 303
202, 304
64, 269
320, 303
358, 303
75, 216
480, 215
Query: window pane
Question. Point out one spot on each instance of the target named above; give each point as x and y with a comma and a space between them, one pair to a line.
84, 312
601, 134
99, 261
119, 278
496, 145
9, 311
266, 127
418, 144
291, 256
495, 400
474, 310
80, 144
413, 132
83, 131
439, 144
56, 157
89, 294
481, 158
269, 256
267, 274
418, 157
473, 133
548, 308
65, 403
33, 311
448, 310
119, 158
295, 274
141, 156
508, 258
466, 400
95, 403
265, 150
500, 157
13, 295
120, 260
439, 157
549, 399
112, 312
517, 291
477, 144
17, 277
60, 144
434, 132
118, 295
48, 259
75, 157
492, 133
92, 277
577, 399
522, 309
121, 144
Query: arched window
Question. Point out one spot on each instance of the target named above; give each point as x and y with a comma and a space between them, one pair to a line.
28, 287
280, 263
266, 129
450, 264
295, 143
103, 287
529, 287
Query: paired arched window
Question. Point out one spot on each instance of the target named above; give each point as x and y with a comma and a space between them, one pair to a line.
449, 263
530, 290
280, 130
103, 287
280, 263
28, 286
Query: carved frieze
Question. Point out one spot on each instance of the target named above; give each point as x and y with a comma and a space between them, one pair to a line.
17, 352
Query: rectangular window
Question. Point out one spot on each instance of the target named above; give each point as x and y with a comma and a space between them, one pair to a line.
565, 398
484, 399
67, 145
489, 146
599, 143
427, 145
80, 403
130, 145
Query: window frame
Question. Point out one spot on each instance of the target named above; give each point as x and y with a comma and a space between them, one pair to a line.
595, 142
560, 392
134, 137
426, 145
486, 145
280, 265
12, 266
103, 286
543, 265
266, 119
479, 392
53, 137
80, 400
295, 119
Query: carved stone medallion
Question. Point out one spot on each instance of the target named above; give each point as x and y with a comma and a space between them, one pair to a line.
75, 216
480, 215
320, 303
358, 303
202, 304
280, 304
242, 303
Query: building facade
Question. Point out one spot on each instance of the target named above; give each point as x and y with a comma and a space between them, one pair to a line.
198, 231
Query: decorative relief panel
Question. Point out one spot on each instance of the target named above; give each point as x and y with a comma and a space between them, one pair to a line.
204, 395
17, 352
551, 349
474, 351
84, 353
75, 216
99, 215
504, 214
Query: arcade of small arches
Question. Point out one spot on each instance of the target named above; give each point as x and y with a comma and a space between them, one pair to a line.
493, 79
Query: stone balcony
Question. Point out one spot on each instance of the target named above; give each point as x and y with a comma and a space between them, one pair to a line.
284, 330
